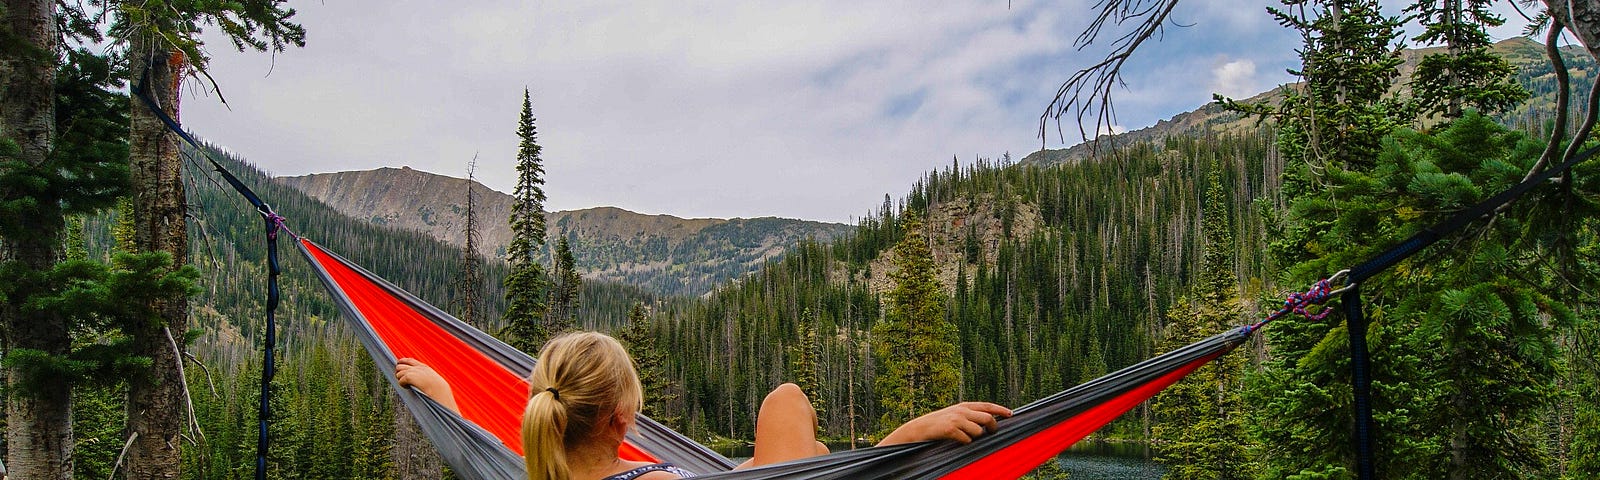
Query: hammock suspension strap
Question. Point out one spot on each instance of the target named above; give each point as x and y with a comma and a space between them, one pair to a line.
274, 223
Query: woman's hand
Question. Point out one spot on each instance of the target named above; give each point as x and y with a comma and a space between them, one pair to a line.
412, 373
961, 422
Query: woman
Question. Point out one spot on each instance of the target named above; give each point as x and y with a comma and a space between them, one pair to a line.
586, 392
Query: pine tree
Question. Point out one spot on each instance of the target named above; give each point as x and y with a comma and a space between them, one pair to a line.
918, 361
1468, 73
39, 427
525, 285
660, 390
804, 357
1336, 124
1437, 320
564, 294
1480, 305
1201, 429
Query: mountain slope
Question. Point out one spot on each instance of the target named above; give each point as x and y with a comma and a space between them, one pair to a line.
661, 253
1525, 54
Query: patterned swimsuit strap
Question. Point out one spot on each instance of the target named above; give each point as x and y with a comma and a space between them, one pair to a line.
659, 467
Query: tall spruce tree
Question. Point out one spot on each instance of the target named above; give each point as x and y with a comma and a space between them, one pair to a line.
61, 154
1477, 306
39, 421
525, 284
919, 365
1200, 431
1441, 412
661, 392
564, 294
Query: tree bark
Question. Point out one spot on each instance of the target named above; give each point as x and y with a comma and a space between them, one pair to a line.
156, 401
39, 420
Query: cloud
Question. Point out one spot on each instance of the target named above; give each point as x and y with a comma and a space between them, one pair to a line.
1111, 130
1235, 78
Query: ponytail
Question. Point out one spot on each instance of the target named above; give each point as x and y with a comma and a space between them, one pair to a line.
581, 381
544, 425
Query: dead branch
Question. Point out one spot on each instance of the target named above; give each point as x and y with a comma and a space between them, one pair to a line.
207, 371
188, 400
125, 446
1088, 92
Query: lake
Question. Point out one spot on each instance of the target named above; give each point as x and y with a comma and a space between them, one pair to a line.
1084, 461
1106, 460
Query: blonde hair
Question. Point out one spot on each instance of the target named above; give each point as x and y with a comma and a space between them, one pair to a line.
581, 380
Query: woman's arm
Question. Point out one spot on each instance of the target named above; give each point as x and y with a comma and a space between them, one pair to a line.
961, 422
412, 373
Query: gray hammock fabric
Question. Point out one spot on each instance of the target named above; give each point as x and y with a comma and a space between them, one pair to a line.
1036, 432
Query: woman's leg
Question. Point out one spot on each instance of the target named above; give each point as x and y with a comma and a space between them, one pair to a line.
786, 427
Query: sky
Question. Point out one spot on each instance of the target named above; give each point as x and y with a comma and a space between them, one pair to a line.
812, 110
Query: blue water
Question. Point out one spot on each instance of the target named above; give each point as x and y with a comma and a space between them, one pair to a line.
1096, 461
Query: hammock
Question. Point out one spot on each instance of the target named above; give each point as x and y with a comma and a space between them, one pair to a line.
482, 441
487, 377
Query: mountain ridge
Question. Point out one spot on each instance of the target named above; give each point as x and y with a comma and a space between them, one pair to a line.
608, 243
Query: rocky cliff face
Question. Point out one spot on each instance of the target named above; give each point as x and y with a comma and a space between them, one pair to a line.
415, 200
663, 253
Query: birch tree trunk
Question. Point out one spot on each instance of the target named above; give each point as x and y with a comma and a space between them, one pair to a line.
38, 420
156, 403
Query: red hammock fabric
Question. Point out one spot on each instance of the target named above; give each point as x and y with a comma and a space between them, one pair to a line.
1022, 457
489, 395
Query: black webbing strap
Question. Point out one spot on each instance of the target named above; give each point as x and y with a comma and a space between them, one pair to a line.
274, 223
1360, 380
1355, 318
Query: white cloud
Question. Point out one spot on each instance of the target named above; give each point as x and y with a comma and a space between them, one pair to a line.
1235, 78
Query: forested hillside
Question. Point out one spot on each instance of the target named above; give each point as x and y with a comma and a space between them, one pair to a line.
1056, 275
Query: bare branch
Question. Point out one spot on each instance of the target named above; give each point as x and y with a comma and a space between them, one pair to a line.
1088, 92
125, 446
207, 371
188, 400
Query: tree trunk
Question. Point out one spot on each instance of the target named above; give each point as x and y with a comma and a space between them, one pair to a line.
156, 402
39, 420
